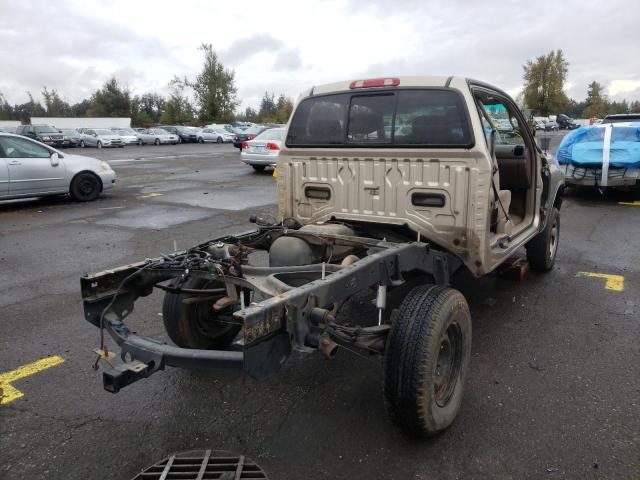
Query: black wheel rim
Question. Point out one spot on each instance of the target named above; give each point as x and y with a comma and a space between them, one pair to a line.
448, 365
213, 324
86, 187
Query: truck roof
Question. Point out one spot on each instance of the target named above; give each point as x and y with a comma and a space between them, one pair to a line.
401, 81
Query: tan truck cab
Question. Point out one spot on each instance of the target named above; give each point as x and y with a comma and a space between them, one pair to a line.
446, 159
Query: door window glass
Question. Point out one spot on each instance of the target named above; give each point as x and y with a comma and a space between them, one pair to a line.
505, 122
20, 148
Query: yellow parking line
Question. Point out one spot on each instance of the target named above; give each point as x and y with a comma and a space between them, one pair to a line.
152, 194
613, 282
9, 393
635, 203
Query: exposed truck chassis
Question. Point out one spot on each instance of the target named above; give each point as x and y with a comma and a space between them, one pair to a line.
297, 312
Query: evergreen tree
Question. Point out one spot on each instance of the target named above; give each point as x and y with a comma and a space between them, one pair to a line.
214, 89
596, 102
111, 100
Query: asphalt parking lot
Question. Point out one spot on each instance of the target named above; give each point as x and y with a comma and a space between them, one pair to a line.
553, 391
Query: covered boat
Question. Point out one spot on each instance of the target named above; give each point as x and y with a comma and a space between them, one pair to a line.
604, 155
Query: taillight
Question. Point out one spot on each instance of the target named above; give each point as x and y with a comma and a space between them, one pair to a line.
235, 138
272, 146
375, 82
251, 137
245, 145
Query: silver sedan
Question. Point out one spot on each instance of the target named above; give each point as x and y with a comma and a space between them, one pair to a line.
29, 168
99, 137
156, 136
214, 135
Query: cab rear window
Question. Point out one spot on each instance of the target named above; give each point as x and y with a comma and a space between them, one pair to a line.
400, 118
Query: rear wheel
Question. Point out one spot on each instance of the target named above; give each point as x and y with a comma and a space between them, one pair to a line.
85, 187
259, 168
426, 359
82, 145
219, 140
157, 142
197, 325
140, 142
542, 249
200, 140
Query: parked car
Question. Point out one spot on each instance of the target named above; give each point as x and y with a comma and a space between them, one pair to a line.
621, 117
551, 126
591, 156
565, 122
214, 135
29, 168
99, 137
43, 133
157, 136
248, 134
221, 126
184, 134
128, 135
73, 135
263, 151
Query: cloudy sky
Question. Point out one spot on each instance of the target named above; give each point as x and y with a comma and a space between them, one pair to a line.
287, 46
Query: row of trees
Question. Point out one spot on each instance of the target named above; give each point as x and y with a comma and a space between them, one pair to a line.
210, 98
543, 92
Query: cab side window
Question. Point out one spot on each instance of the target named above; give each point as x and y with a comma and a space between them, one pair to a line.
504, 122
19, 148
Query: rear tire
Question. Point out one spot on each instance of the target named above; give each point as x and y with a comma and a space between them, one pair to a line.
157, 142
426, 359
542, 249
140, 143
259, 168
219, 140
85, 187
200, 140
194, 325
82, 145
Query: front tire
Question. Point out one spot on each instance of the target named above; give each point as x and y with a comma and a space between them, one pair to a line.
200, 140
179, 139
82, 144
196, 325
140, 143
219, 140
426, 359
157, 142
99, 144
542, 249
85, 187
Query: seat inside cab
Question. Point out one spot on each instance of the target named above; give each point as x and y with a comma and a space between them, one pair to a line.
513, 166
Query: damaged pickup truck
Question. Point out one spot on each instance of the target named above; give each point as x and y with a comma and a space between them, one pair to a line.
380, 182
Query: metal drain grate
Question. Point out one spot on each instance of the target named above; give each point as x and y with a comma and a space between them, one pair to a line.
203, 465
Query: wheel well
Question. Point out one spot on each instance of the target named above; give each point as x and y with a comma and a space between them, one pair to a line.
89, 172
557, 202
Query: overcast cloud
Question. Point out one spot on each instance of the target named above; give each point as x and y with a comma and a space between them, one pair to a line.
288, 46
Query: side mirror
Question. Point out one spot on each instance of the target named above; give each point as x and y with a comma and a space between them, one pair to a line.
95, 134
55, 160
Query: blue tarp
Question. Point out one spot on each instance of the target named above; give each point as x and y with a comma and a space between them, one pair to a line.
584, 146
